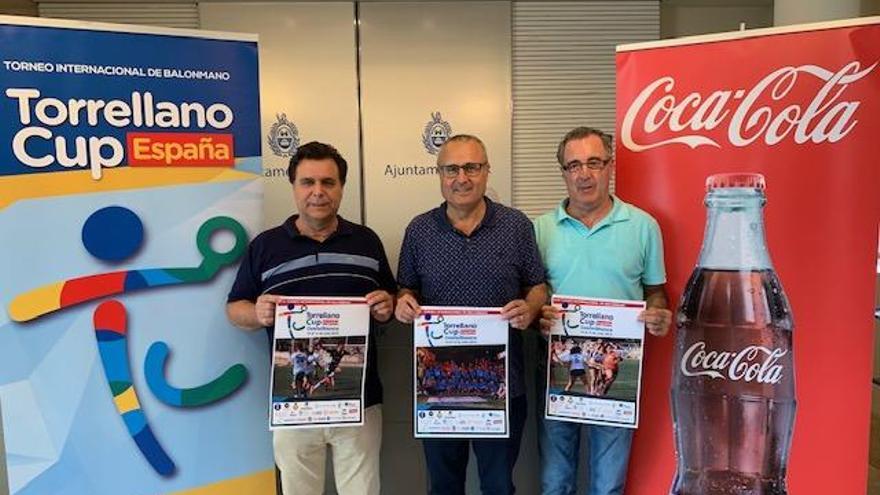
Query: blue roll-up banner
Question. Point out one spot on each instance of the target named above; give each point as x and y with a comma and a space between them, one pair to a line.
129, 188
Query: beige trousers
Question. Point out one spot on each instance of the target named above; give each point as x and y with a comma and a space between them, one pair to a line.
300, 456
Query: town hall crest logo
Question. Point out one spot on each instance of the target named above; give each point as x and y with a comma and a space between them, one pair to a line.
436, 132
283, 137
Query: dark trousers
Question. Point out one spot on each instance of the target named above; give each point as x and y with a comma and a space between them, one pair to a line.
447, 460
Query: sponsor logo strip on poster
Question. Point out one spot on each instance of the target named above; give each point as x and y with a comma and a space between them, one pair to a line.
319, 362
460, 360
594, 361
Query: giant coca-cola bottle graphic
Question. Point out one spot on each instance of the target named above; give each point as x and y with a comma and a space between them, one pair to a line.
733, 398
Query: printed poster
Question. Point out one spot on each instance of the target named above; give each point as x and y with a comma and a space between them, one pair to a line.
129, 189
460, 360
594, 361
319, 362
799, 105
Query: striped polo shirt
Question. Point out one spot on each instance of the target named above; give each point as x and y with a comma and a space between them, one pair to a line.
351, 262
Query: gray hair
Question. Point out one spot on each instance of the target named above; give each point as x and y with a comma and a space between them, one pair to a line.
463, 138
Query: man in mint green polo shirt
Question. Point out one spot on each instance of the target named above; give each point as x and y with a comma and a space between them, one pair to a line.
593, 244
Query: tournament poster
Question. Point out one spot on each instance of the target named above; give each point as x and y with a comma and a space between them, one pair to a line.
319, 362
594, 361
460, 373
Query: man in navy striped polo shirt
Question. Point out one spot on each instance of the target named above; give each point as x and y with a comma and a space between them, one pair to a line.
318, 253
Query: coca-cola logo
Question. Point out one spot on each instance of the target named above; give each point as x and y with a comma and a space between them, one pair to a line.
749, 114
754, 363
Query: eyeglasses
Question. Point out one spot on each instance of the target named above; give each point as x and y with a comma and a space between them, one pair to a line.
591, 163
470, 169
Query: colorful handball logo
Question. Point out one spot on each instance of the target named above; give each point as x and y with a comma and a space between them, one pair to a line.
114, 234
432, 326
296, 317
436, 132
568, 310
283, 137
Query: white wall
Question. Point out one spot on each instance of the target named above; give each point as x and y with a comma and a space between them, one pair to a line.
418, 58
308, 73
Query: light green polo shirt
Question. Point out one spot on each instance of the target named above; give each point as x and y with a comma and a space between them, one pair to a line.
615, 259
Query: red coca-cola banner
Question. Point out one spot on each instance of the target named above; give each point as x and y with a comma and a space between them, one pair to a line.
800, 105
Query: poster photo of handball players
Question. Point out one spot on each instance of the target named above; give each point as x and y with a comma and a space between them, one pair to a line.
595, 367
465, 377
594, 361
329, 368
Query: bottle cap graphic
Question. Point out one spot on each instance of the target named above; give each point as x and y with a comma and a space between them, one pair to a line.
720, 181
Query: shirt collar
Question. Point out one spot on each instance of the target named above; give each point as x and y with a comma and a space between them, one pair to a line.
619, 213
488, 220
343, 227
